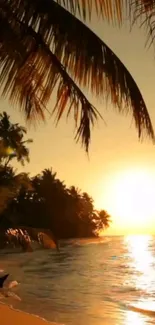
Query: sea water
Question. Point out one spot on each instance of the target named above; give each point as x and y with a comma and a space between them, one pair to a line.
90, 281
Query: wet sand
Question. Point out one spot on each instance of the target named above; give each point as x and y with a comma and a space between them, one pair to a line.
10, 316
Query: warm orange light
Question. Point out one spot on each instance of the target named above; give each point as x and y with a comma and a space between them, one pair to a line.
130, 199
141, 261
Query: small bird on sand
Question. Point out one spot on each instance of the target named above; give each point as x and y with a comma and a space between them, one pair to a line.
2, 280
5, 289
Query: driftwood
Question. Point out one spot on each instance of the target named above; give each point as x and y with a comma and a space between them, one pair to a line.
25, 236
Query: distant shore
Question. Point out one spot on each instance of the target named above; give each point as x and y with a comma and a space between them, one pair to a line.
10, 316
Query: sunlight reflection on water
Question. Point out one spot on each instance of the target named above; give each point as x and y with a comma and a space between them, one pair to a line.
133, 319
142, 263
110, 281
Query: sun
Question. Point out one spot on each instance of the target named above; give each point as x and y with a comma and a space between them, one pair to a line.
131, 200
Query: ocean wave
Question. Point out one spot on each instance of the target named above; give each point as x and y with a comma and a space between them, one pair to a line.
126, 289
131, 307
144, 311
90, 241
89, 284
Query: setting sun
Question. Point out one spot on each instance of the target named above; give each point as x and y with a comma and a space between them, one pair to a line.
130, 200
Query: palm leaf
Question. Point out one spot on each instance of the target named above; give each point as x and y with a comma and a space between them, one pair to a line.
110, 9
144, 13
40, 51
113, 11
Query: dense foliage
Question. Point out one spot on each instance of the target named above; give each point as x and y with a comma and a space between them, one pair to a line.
43, 202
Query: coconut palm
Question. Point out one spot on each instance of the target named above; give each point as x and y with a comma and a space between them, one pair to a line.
45, 47
102, 219
105, 219
12, 142
16, 234
11, 189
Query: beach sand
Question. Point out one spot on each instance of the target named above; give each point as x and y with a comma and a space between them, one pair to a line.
10, 316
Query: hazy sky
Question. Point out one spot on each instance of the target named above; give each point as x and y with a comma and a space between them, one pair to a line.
114, 147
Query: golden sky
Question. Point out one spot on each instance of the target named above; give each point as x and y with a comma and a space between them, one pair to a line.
115, 147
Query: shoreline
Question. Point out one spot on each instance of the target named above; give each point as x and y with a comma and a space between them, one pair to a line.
8, 315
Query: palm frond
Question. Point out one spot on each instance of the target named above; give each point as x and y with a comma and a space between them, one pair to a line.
143, 11
143, 6
35, 81
109, 9
114, 10
41, 48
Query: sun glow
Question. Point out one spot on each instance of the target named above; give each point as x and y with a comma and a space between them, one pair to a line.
141, 261
141, 257
130, 199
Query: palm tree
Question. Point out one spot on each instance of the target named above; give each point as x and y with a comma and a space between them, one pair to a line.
10, 187
41, 49
102, 219
12, 142
11, 231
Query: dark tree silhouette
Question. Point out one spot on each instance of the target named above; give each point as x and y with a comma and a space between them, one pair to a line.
12, 142
67, 212
40, 208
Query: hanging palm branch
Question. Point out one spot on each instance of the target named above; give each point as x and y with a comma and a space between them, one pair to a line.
144, 12
41, 49
114, 10
109, 9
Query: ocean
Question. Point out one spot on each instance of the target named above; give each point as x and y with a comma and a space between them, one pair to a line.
103, 281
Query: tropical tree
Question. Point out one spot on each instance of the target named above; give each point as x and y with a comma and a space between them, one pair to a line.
45, 45
102, 220
12, 142
10, 185
66, 212
41, 208
12, 230
13, 186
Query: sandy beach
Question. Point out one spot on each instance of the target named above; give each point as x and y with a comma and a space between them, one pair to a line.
10, 316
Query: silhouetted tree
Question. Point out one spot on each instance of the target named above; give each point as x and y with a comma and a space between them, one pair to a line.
67, 212
12, 142
102, 219
41, 208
